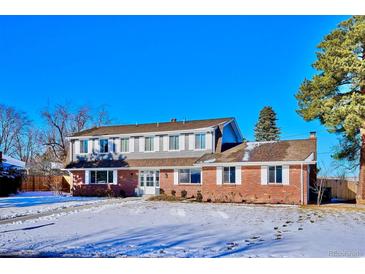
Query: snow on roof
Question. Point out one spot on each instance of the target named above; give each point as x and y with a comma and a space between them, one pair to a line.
9, 161
251, 146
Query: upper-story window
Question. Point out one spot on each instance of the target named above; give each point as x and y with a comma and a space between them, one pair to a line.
200, 141
276, 174
229, 175
83, 146
148, 144
174, 142
124, 145
103, 145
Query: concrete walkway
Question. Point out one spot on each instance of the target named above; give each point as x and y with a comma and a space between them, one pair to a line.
68, 209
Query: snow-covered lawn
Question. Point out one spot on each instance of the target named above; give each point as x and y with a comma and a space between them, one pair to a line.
138, 228
37, 202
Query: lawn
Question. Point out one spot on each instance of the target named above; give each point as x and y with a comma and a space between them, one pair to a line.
138, 228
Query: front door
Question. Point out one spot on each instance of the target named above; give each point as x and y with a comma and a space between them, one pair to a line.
149, 182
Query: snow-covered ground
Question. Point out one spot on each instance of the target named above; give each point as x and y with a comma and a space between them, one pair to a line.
26, 203
138, 228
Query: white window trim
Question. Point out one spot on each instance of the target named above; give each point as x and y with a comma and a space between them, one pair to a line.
190, 183
235, 176
205, 140
115, 176
153, 144
121, 145
168, 142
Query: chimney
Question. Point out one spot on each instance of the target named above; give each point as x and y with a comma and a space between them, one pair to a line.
173, 120
312, 135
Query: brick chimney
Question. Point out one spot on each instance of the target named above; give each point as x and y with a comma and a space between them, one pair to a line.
312, 135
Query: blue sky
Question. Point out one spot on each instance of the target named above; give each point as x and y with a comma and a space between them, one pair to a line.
153, 68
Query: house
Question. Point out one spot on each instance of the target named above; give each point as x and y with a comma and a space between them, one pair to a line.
200, 155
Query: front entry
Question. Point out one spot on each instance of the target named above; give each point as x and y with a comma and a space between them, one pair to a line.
149, 182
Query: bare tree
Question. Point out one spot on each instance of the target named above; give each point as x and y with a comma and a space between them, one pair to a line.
14, 125
27, 145
102, 117
62, 121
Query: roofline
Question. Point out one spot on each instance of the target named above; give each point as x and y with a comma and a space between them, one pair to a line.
228, 120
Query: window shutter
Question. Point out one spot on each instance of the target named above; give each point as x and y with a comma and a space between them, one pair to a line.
115, 176
191, 141
182, 142
131, 144
165, 141
89, 146
219, 175
238, 175
77, 147
141, 144
176, 177
264, 175
208, 140
286, 175
87, 177
156, 145
96, 146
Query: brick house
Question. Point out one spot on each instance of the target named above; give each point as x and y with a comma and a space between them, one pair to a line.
201, 155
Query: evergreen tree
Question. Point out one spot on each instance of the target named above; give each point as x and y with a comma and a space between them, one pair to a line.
336, 94
266, 129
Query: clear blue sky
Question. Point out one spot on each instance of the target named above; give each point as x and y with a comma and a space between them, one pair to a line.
153, 68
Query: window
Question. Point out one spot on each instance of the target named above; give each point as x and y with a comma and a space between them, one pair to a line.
124, 145
200, 141
148, 144
83, 146
103, 145
229, 175
101, 176
114, 146
174, 142
189, 176
275, 174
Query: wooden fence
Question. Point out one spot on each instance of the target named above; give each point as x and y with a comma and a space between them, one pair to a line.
46, 183
344, 189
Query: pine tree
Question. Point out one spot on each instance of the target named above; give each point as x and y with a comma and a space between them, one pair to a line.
266, 129
336, 94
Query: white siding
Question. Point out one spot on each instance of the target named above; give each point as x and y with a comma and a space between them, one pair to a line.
156, 144
87, 176
219, 175
208, 140
165, 142
181, 142
191, 141
264, 175
110, 145
131, 144
141, 144
238, 175
176, 177
285, 175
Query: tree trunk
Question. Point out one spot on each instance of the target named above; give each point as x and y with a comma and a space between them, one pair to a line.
361, 187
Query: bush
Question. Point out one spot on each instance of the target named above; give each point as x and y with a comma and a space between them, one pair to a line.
122, 193
199, 196
162, 191
184, 193
164, 197
9, 184
173, 192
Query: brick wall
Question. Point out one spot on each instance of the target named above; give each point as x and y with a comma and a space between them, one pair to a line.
167, 184
128, 181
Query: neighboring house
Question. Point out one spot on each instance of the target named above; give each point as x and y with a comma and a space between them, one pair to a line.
7, 162
200, 155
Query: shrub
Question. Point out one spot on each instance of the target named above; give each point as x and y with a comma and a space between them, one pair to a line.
184, 193
122, 193
199, 196
162, 191
164, 197
173, 192
9, 184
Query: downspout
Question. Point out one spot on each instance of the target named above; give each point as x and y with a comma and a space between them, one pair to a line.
301, 184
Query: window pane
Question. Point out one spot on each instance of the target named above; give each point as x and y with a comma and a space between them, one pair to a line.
157, 179
141, 178
110, 176
173, 142
226, 175
92, 177
232, 175
124, 144
148, 146
149, 178
279, 174
184, 176
103, 146
200, 141
195, 176
101, 177
271, 174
